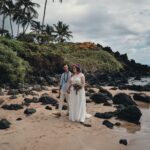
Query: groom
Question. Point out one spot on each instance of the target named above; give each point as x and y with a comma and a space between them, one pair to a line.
63, 88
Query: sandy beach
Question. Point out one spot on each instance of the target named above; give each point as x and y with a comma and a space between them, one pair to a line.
42, 130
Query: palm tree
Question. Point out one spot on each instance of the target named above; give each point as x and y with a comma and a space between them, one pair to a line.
36, 27
25, 7
45, 11
26, 21
3, 11
62, 32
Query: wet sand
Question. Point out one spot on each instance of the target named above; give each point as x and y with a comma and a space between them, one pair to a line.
43, 130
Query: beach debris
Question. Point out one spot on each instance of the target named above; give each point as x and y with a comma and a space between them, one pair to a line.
18, 119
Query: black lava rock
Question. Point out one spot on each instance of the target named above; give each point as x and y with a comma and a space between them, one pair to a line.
141, 97
13, 97
108, 124
106, 115
29, 111
123, 99
64, 107
4, 124
48, 108
107, 104
123, 141
12, 106
33, 100
48, 100
99, 98
18, 119
131, 114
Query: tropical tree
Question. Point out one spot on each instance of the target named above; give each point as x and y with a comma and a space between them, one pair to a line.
62, 32
26, 21
36, 27
27, 11
3, 11
45, 11
7, 9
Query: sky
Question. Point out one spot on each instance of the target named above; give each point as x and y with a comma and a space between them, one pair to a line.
124, 25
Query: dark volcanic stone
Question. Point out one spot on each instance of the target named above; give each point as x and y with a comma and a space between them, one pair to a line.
12, 106
141, 97
64, 107
106, 115
130, 113
123, 141
18, 119
4, 124
54, 91
104, 91
123, 99
29, 111
48, 108
33, 100
48, 100
91, 91
108, 124
117, 124
107, 104
13, 97
99, 98
13, 92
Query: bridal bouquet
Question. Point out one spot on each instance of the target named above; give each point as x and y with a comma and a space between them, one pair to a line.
77, 87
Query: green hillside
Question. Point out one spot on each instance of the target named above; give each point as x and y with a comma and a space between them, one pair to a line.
19, 60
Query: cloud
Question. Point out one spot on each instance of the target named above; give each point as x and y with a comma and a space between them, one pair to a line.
123, 25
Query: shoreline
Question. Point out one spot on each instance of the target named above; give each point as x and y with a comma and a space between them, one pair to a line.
42, 130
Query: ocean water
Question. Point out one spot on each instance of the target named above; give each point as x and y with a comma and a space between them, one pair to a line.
142, 82
138, 136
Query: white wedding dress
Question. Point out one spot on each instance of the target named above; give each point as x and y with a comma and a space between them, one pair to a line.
77, 102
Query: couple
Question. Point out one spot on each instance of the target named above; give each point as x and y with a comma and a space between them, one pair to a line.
72, 89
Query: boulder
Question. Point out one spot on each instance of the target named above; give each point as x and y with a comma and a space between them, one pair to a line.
141, 97
130, 113
32, 100
48, 100
12, 106
123, 99
48, 108
13, 97
108, 124
4, 124
123, 141
29, 111
106, 115
106, 92
99, 98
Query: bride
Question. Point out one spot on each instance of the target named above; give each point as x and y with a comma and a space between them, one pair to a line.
77, 99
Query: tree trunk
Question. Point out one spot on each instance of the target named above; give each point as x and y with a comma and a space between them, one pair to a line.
44, 14
18, 28
11, 26
26, 28
3, 24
